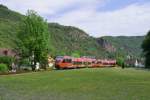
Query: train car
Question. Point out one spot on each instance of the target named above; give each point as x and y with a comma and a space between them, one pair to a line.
98, 63
87, 62
108, 63
79, 63
112, 63
93, 62
64, 62
104, 63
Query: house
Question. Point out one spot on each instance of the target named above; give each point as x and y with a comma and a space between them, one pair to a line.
134, 63
139, 63
7, 52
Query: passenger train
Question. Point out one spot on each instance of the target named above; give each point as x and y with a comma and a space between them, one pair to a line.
68, 62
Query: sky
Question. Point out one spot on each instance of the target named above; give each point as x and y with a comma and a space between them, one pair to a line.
95, 17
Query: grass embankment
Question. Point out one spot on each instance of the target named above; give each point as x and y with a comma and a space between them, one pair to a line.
81, 84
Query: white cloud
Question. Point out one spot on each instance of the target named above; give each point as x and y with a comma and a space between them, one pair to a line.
132, 20
44, 6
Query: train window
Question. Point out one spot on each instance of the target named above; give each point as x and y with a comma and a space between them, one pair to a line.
93, 62
99, 62
85, 63
67, 61
77, 63
89, 63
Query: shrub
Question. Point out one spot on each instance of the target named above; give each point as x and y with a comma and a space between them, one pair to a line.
24, 62
6, 60
3, 68
120, 61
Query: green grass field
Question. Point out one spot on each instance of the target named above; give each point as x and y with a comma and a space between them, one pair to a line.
80, 84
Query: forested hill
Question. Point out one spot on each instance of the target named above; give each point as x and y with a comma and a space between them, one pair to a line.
68, 40
9, 24
124, 45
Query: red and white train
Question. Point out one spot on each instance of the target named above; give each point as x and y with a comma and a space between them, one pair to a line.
67, 62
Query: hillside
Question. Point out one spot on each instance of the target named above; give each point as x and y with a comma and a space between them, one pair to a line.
125, 45
68, 40
9, 24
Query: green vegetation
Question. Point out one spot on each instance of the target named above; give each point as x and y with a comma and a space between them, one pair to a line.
81, 84
67, 40
120, 61
33, 35
3, 68
6, 60
126, 45
146, 49
9, 26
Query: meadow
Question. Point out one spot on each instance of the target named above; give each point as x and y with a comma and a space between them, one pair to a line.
77, 84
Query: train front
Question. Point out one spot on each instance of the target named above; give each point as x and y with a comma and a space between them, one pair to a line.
63, 62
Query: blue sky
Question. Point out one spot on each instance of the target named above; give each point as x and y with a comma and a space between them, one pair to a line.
96, 17
112, 5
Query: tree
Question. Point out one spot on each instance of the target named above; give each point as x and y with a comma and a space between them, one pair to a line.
120, 62
146, 50
34, 38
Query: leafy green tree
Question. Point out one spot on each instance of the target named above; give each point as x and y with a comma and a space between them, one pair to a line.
34, 38
146, 49
120, 61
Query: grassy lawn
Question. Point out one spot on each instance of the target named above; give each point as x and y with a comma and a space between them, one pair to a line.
81, 84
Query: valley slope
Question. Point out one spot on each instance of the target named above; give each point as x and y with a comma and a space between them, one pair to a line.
68, 40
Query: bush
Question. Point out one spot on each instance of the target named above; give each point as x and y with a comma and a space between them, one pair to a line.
3, 68
6, 60
120, 61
